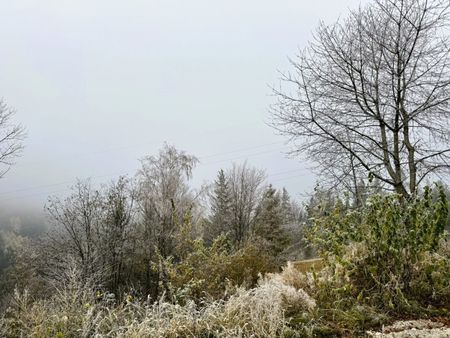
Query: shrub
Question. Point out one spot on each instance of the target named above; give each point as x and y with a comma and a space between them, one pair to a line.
431, 277
208, 271
261, 311
59, 316
374, 253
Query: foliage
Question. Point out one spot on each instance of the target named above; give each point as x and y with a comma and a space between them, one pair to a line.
75, 312
374, 254
431, 277
243, 208
220, 220
269, 221
129, 260
56, 316
91, 226
209, 271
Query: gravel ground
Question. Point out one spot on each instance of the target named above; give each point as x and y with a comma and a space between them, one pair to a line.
413, 328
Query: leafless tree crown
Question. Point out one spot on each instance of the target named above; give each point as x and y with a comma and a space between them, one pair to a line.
370, 94
11, 137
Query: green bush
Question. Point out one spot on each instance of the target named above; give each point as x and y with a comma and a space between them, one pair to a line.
431, 277
209, 271
376, 254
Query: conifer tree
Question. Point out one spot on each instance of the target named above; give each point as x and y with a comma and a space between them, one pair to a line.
270, 220
219, 221
287, 207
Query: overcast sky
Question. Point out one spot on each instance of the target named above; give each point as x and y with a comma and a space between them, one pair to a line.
101, 83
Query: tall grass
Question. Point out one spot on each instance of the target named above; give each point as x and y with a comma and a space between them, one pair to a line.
74, 311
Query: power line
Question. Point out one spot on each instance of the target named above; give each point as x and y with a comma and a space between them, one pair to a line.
290, 177
122, 173
242, 157
60, 183
239, 150
288, 172
126, 173
152, 143
103, 176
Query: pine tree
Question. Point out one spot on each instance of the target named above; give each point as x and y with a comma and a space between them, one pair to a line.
220, 220
287, 207
294, 217
270, 220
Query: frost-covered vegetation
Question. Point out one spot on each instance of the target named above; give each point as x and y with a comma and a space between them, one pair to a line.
153, 257
150, 256
386, 260
73, 311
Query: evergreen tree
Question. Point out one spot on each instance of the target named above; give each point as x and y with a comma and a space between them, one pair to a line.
287, 207
219, 221
270, 220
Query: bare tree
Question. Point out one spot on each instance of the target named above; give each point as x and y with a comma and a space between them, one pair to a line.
164, 200
164, 195
93, 228
341, 172
76, 235
371, 94
246, 190
116, 230
11, 137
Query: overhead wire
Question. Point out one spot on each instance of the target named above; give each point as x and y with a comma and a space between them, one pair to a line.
69, 182
123, 173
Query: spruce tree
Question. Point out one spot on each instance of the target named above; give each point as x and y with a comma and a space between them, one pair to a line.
220, 219
287, 207
270, 220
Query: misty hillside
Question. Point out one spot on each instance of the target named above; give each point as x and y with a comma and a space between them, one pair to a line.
167, 172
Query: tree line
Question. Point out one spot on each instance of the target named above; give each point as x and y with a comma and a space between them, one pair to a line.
120, 233
367, 102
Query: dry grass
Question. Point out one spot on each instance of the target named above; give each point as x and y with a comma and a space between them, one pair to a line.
257, 312
308, 265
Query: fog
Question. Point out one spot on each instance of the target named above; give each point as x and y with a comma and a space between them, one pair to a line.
100, 84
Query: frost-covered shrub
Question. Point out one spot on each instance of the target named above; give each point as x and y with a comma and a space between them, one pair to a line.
209, 271
374, 252
60, 316
290, 275
262, 311
431, 276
